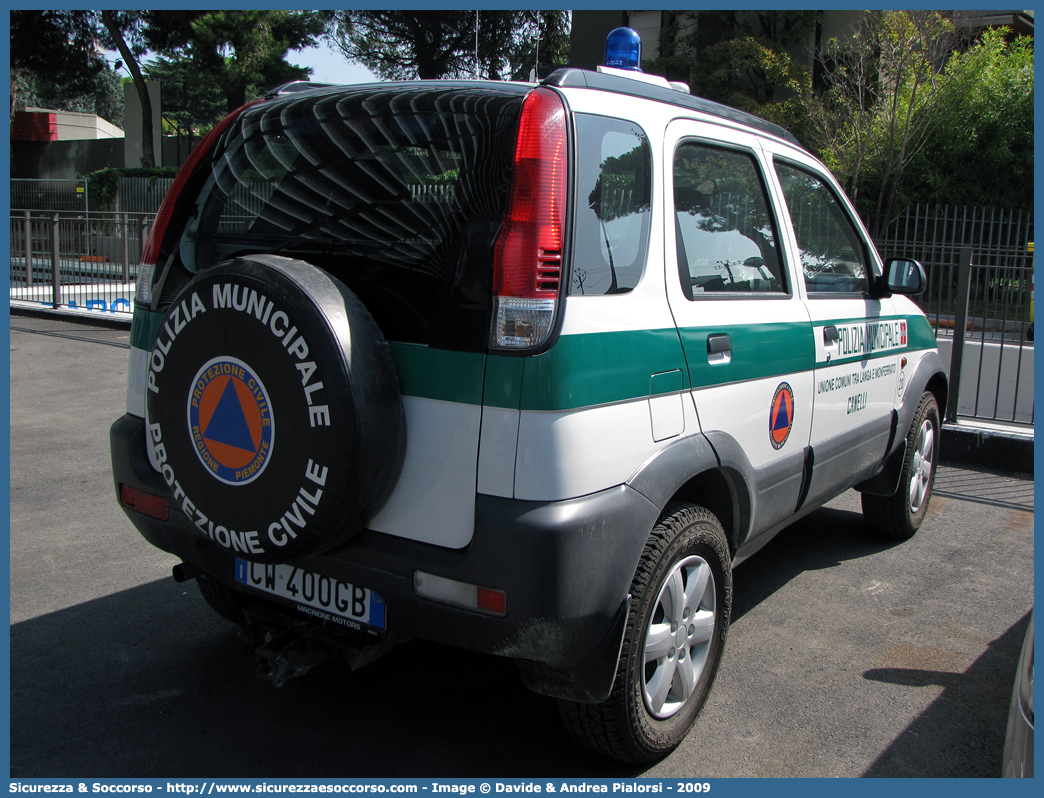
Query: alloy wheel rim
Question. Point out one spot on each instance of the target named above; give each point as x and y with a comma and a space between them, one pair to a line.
678, 638
921, 467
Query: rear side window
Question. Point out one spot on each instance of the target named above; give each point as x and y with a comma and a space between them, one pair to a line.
724, 228
614, 165
397, 191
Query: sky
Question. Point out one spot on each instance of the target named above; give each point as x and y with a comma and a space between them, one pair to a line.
329, 66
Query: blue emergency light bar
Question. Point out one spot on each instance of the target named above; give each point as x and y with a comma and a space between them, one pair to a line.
623, 50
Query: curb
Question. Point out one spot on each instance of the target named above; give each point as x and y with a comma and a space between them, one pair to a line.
996, 448
96, 317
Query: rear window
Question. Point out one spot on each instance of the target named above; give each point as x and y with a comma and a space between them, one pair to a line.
397, 191
614, 167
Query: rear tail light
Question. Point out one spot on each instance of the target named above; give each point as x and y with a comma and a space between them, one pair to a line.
527, 256
144, 503
150, 253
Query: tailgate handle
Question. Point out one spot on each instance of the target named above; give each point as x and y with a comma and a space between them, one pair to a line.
719, 344
831, 335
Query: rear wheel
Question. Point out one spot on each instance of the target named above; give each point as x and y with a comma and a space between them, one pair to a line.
225, 601
900, 515
676, 627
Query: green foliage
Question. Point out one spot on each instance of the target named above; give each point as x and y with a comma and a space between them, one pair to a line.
982, 151
531, 35
882, 104
56, 48
912, 109
244, 52
406, 45
743, 59
192, 100
103, 96
103, 184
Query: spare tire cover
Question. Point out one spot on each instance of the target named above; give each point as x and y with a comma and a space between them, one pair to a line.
273, 408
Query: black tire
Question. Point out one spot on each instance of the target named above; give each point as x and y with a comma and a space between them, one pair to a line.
900, 515
225, 601
273, 409
637, 723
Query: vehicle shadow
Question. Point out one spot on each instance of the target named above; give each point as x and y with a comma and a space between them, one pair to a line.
149, 682
824, 539
947, 739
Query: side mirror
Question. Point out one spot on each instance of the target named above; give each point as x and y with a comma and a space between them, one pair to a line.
905, 276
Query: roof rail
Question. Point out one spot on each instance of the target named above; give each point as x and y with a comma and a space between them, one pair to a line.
295, 86
576, 77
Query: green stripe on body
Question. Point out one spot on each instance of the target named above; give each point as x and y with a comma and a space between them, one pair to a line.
601, 368
758, 351
145, 325
919, 336
439, 373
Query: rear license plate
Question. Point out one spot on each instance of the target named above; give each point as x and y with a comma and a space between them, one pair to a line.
321, 596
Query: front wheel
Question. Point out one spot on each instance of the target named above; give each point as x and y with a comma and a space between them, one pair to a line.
900, 515
676, 627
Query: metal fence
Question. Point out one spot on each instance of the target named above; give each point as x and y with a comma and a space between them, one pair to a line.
85, 261
133, 195
982, 313
65, 196
980, 300
141, 194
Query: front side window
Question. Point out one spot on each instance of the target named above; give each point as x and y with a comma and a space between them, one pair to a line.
833, 257
724, 230
614, 165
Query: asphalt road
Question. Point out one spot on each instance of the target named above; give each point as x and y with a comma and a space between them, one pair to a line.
848, 656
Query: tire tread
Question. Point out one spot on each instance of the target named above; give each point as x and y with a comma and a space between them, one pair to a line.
606, 728
889, 516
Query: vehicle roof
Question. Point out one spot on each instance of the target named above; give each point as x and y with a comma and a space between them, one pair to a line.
565, 78
575, 77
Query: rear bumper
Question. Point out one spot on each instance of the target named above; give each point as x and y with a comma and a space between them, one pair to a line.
566, 568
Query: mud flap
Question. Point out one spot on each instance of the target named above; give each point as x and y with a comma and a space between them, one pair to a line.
588, 682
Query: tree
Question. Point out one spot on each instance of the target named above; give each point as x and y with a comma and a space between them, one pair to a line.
511, 43
53, 48
882, 105
406, 45
243, 51
744, 59
103, 97
981, 153
125, 34
60, 49
191, 98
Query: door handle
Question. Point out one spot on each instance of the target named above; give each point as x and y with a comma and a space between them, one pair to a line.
831, 335
719, 344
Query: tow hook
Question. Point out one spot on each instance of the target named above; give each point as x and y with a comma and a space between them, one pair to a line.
286, 648
285, 655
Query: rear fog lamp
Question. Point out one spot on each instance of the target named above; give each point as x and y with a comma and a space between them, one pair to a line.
460, 594
144, 503
143, 290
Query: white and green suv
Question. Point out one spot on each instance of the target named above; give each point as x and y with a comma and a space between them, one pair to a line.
525, 369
